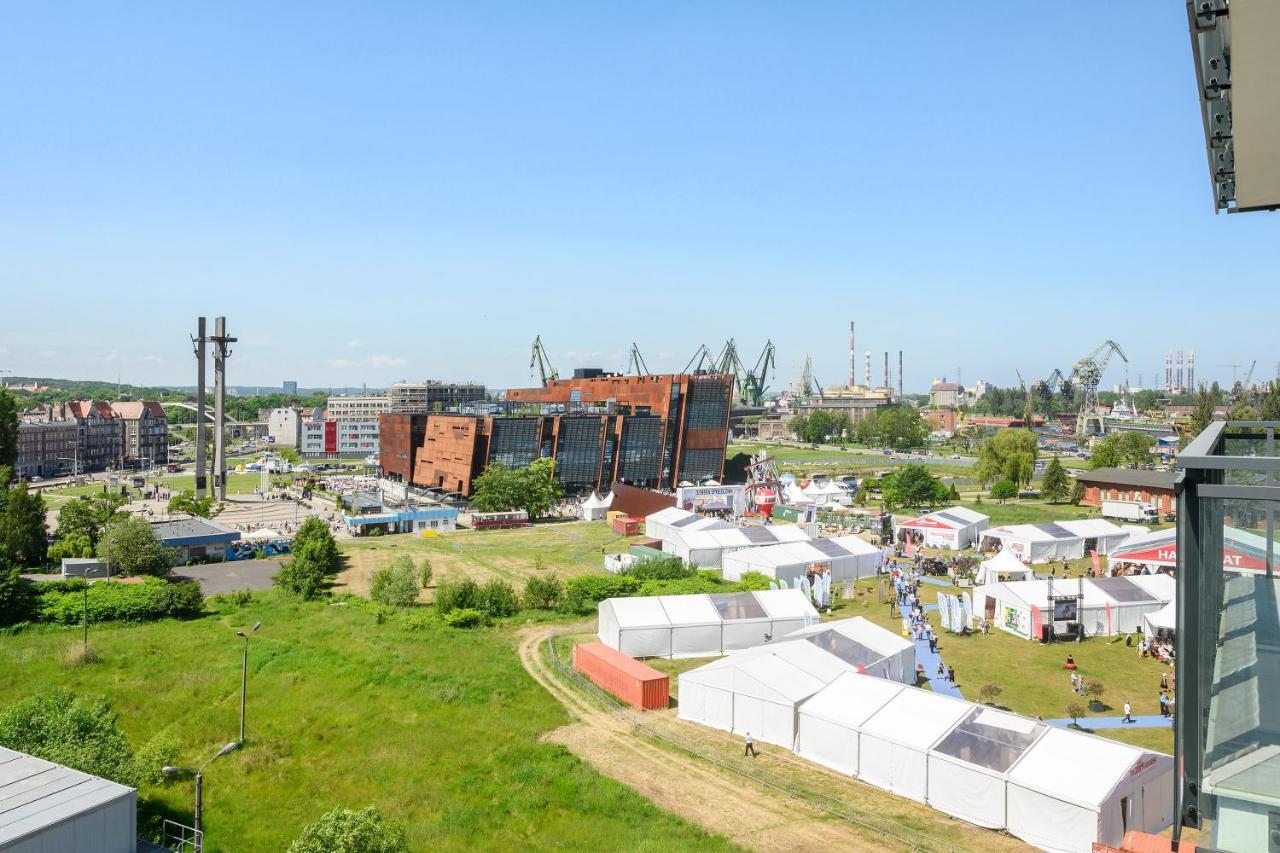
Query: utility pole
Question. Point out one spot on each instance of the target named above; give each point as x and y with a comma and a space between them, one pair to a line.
221, 350
202, 466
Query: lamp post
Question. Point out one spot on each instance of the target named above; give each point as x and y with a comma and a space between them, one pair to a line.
244, 673
199, 772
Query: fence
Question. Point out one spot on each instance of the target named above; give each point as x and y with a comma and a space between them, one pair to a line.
181, 838
905, 835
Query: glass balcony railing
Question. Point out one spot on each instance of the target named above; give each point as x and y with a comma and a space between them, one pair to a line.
1227, 732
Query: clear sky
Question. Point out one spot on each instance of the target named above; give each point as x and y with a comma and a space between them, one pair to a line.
378, 191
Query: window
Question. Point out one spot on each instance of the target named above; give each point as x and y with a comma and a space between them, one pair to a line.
578, 456
515, 441
641, 452
708, 404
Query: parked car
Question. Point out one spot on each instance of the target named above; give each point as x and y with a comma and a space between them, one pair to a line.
1168, 516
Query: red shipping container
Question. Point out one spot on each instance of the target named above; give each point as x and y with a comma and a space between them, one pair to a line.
628, 526
631, 681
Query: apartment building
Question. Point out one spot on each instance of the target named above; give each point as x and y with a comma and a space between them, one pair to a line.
365, 407
144, 432
431, 396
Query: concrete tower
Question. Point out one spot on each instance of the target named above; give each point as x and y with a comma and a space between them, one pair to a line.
853, 358
221, 350
202, 467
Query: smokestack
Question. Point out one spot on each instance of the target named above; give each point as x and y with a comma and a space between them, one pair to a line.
1168, 370
886, 370
1191, 369
868, 368
1181, 387
853, 358
899, 374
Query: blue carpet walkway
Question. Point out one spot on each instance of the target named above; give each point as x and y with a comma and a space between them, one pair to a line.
930, 661
1154, 721
935, 581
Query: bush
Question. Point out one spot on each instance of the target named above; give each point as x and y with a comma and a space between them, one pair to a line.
133, 547
151, 598
81, 733
660, 568
396, 585
1004, 490
685, 586
498, 599
582, 594
350, 831
457, 594
425, 573
752, 581
988, 692
465, 617
543, 593
79, 655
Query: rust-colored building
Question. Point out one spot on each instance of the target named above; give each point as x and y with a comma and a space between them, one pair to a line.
399, 437
649, 431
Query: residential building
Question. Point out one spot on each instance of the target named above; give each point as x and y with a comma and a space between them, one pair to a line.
432, 396
144, 432
99, 438
1128, 484
946, 395
46, 448
650, 431
311, 441
324, 437
284, 427
357, 407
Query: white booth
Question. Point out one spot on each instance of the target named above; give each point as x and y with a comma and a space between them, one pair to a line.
1002, 567
955, 528
595, 507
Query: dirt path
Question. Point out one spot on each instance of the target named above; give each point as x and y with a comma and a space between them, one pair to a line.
748, 813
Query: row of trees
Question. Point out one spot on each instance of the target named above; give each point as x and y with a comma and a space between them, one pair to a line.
900, 427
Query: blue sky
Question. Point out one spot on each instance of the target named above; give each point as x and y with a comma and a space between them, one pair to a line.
373, 192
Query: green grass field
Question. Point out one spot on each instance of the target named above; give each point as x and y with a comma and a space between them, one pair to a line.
437, 727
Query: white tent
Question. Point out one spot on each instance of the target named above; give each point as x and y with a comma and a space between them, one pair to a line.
664, 524
828, 722
893, 749
757, 691
1097, 534
969, 765
595, 508
707, 546
848, 558
1164, 619
700, 625
1035, 543
956, 528
1110, 605
1073, 789
1002, 567
828, 492
865, 645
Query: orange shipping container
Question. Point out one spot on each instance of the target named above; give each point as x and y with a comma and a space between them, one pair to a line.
628, 526
631, 681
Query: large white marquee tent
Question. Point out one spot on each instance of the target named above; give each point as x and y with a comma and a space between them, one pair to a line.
700, 625
1110, 606
1242, 551
708, 547
848, 558
664, 524
1055, 788
1055, 540
864, 644
956, 528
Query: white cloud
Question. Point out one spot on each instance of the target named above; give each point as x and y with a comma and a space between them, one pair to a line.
340, 362
580, 354
386, 361
355, 344
149, 358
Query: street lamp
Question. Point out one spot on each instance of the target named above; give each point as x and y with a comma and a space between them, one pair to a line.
199, 772
244, 673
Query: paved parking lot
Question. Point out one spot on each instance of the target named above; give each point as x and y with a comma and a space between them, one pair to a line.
218, 578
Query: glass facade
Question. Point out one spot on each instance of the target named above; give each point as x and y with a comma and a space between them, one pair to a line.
1227, 729
578, 453
698, 465
708, 404
640, 458
514, 442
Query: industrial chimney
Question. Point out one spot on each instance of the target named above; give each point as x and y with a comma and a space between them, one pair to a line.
868, 368
899, 374
1191, 369
853, 358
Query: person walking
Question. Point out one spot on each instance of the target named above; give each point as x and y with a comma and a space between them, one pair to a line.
933, 645
1128, 714
1164, 681
1164, 704
951, 674
750, 747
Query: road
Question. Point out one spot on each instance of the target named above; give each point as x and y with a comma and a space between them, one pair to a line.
221, 578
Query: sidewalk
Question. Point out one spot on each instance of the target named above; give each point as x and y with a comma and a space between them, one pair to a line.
1155, 721
930, 661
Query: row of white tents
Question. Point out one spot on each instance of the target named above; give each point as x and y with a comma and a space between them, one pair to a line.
1055, 788
703, 541
1105, 606
845, 558
702, 625
1057, 540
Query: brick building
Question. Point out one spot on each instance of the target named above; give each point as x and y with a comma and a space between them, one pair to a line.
144, 432
45, 448
650, 431
99, 435
1128, 484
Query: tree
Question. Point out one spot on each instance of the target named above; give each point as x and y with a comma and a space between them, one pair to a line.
82, 733
133, 547
1269, 402
315, 555
913, 485
1135, 448
395, 585
988, 692
1106, 452
90, 514
1202, 416
314, 534
8, 433
186, 502
1075, 711
1004, 490
533, 489
72, 547
1093, 689
1077, 492
1056, 485
349, 831
1010, 454
22, 529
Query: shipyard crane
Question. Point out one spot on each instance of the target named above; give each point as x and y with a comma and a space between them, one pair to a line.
1028, 411
1087, 374
753, 383
542, 361
637, 361
808, 384
1240, 389
701, 359
727, 361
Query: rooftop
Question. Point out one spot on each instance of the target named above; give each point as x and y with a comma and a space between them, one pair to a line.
1128, 477
37, 794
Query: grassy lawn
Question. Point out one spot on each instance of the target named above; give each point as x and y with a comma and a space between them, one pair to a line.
1031, 674
437, 727
1029, 511
566, 548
